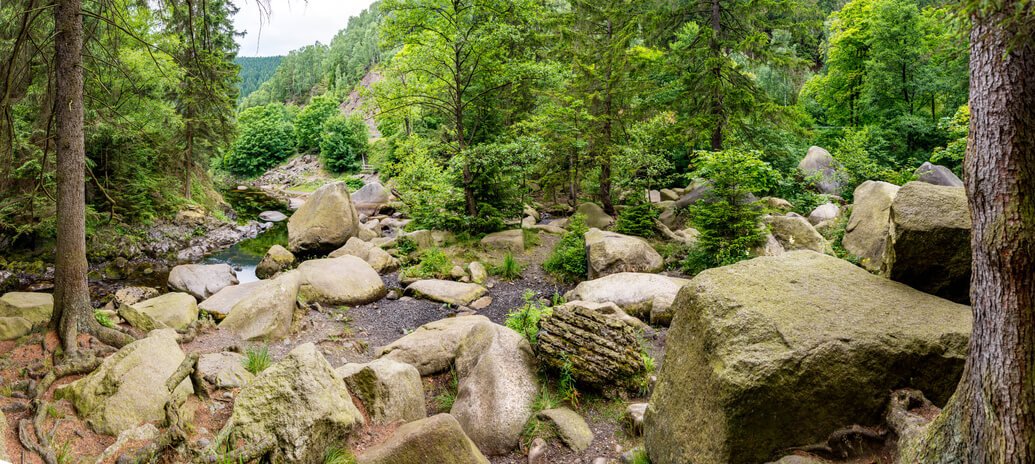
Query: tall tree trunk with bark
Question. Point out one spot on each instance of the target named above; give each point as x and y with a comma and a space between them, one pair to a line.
991, 417
607, 138
717, 96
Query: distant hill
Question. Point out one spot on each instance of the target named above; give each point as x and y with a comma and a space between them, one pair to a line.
255, 70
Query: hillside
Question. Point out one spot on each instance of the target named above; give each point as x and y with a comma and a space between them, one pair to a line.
255, 70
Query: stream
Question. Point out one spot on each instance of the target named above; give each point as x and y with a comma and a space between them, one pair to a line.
246, 254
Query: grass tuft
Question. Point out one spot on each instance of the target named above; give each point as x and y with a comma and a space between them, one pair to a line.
257, 360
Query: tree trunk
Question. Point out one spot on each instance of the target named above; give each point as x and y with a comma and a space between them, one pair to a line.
717, 110
991, 417
604, 148
71, 293
188, 158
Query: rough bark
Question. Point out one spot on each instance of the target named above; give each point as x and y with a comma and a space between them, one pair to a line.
991, 417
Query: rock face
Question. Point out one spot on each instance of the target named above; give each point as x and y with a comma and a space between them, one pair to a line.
172, 310
646, 296
571, 427
325, 222
929, 240
595, 215
277, 259
795, 233
268, 312
299, 404
223, 370
128, 389
611, 252
937, 175
376, 257
820, 164
819, 348
498, 385
34, 307
390, 390
369, 198
220, 304
507, 240
446, 291
867, 231
602, 346
201, 280
432, 347
436, 439
346, 280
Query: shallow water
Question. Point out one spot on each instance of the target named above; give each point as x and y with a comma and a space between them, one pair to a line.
245, 255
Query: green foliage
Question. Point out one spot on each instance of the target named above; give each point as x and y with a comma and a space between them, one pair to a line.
354, 183
298, 76
255, 70
535, 427
343, 145
406, 245
508, 269
727, 221
444, 400
309, 124
433, 264
640, 456
637, 220
568, 260
952, 154
103, 319
265, 140
525, 320
257, 360
569, 391
335, 455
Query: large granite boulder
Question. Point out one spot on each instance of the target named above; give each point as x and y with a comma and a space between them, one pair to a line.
432, 347
298, 404
389, 390
507, 240
595, 215
928, 247
201, 280
346, 280
268, 312
220, 304
277, 259
33, 306
174, 310
128, 389
823, 213
446, 291
375, 256
819, 165
611, 252
795, 233
646, 296
324, 222
498, 385
437, 439
598, 339
370, 197
937, 175
777, 352
867, 231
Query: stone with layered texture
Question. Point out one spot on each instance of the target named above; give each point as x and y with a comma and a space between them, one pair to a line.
173, 310
802, 338
346, 280
866, 233
268, 312
128, 389
389, 390
437, 439
324, 222
646, 296
201, 280
598, 339
298, 404
611, 252
928, 245
446, 291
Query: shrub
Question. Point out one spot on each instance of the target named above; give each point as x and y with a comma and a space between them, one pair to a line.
257, 360
568, 260
637, 220
509, 269
344, 143
309, 123
433, 264
266, 138
525, 320
728, 223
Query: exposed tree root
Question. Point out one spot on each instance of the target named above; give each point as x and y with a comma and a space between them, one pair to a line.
174, 433
247, 453
846, 443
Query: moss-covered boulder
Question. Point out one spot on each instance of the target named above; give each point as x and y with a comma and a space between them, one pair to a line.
389, 390
223, 370
12, 328
346, 280
646, 296
277, 259
794, 232
781, 351
175, 310
595, 215
324, 222
437, 439
611, 252
570, 427
867, 231
928, 245
298, 404
32, 306
128, 389
268, 312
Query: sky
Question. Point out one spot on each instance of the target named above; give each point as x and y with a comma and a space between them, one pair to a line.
292, 24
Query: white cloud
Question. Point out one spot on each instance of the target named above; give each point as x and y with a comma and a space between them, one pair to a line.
292, 24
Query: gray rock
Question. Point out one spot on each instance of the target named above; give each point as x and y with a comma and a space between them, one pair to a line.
432, 347
201, 280
389, 390
634, 418
437, 439
220, 304
371, 197
268, 312
347, 280
13, 328
868, 227
507, 240
172, 310
272, 216
223, 370
537, 451
133, 295
795, 233
277, 259
570, 426
937, 175
379, 259
325, 221
824, 212
669, 194
446, 291
818, 164
611, 252
478, 272
646, 296
595, 215
31, 306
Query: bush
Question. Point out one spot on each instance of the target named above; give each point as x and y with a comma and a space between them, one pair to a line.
344, 143
728, 223
525, 320
637, 220
433, 264
309, 123
266, 139
509, 269
568, 260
